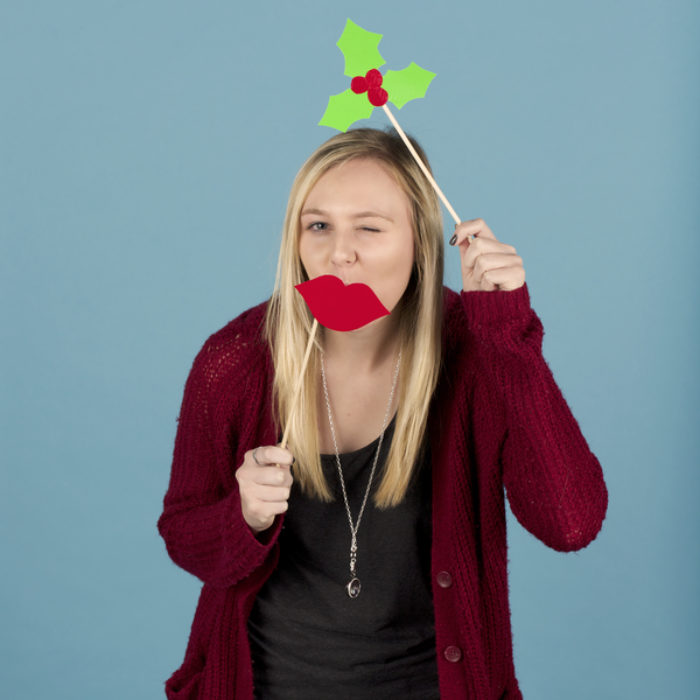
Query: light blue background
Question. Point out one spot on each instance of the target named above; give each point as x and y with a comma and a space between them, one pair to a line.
147, 153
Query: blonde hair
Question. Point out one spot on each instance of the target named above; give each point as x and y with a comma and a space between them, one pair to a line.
288, 321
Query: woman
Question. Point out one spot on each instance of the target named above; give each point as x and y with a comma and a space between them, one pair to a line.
376, 566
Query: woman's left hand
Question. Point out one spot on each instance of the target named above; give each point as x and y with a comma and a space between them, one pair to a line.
487, 264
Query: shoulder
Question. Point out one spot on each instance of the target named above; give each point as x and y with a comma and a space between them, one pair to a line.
244, 331
235, 350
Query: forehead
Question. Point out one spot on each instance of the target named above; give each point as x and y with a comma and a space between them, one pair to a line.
363, 179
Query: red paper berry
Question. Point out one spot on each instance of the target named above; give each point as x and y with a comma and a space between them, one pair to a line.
358, 85
373, 78
370, 83
377, 96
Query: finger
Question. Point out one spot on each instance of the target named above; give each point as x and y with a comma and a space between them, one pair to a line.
273, 476
490, 261
270, 494
486, 248
488, 286
490, 277
496, 274
278, 507
473, 227
506, 278
465, 241
272, 454
264, 510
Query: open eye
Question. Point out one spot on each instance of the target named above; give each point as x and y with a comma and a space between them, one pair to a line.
317, 226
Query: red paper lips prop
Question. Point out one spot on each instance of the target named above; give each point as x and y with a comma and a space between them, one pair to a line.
339, 307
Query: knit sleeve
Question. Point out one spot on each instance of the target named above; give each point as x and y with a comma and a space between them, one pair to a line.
201, 523
554, 483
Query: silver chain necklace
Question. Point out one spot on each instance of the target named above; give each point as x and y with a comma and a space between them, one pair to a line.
353, 587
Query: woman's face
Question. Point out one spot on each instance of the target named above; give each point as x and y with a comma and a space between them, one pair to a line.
356, 225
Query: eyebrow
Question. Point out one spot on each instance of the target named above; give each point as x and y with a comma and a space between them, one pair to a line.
359, 215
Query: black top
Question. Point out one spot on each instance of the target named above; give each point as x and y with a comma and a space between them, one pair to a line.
310, 640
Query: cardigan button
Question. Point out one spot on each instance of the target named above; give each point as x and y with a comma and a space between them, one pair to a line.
444, 579
453, 654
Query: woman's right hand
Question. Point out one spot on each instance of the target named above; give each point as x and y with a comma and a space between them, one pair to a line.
264, 487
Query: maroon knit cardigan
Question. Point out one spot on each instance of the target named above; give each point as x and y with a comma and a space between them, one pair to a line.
497, 419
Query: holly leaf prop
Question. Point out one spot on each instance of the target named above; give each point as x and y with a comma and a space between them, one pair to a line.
407, 84
340, 307
345, 109
362, 61
359, 47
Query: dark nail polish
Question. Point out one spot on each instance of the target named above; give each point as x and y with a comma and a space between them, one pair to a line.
453, 240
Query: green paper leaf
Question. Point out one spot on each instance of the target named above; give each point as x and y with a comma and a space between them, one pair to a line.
360, 49
407, 84
346, 108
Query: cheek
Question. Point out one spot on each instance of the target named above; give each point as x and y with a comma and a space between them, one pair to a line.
403, 254
304, 248
397, 269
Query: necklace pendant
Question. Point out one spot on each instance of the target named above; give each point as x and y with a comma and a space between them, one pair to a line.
353, 588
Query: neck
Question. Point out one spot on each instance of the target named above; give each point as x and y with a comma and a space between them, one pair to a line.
365, 349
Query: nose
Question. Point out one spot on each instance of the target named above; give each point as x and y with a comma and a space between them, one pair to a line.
343, 249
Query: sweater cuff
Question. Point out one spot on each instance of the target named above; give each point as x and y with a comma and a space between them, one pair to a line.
487, 309
244, 547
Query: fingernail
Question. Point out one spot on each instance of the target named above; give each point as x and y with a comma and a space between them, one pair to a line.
453, 240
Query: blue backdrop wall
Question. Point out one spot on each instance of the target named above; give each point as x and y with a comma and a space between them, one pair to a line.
147, 153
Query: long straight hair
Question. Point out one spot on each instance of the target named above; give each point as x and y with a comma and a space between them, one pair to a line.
288, 321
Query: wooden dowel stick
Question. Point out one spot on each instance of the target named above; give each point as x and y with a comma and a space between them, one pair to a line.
300, 378
425, 170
